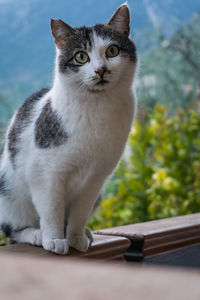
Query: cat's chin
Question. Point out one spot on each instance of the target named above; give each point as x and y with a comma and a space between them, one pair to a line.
100, 87
97, 89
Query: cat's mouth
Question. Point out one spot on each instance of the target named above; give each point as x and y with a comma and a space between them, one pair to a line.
99, 85
102, 82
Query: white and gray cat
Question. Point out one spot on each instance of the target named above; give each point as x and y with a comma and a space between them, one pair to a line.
63, 142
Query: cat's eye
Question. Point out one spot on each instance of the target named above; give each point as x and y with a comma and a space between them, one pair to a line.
81, 57
112, 51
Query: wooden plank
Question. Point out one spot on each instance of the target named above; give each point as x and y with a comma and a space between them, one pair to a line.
33, 278
103, 247
151, 238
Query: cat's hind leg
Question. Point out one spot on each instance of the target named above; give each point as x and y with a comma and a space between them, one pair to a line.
28, 235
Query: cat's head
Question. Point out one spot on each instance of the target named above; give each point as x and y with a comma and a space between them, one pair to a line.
96, 58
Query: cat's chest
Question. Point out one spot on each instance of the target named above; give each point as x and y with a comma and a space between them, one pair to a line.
99, 130
101, 119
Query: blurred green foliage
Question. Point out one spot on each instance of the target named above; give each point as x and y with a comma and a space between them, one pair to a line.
160, 177
3, 240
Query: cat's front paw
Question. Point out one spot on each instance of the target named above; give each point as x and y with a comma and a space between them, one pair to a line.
79, 242
59, 246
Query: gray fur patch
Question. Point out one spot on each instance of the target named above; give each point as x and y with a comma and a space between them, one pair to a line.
4, 190
127, 47
1, 150
81, 40
21, 121
49, 131
97, 202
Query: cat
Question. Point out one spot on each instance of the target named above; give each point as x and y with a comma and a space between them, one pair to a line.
64, 141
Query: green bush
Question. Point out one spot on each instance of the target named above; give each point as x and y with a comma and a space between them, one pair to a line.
161, 175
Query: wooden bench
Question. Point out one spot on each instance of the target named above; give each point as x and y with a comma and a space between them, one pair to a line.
172, 241
104, 247
28, 272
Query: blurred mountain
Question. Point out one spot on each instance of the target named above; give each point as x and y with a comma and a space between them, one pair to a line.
27, 48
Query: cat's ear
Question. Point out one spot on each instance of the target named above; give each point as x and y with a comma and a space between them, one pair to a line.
61, 32
120, 21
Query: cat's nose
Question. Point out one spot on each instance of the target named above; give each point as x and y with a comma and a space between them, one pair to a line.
101, 71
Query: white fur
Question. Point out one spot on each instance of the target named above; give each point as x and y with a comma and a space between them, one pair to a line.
58, 186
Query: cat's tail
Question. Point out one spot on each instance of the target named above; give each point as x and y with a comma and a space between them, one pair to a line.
7, 230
